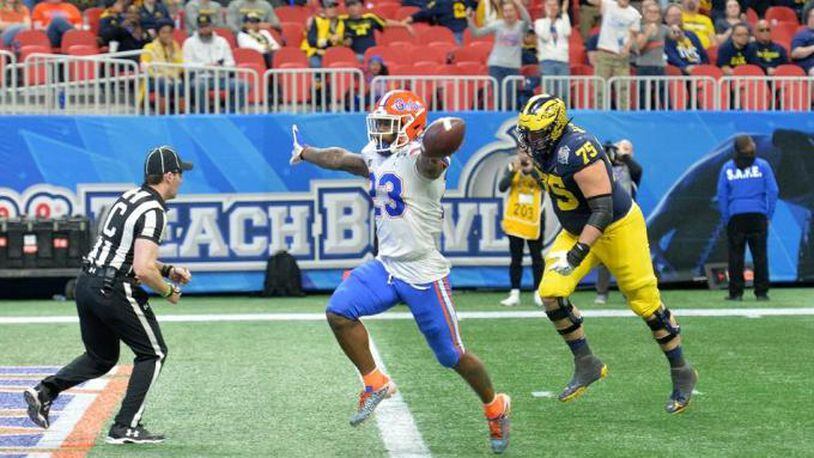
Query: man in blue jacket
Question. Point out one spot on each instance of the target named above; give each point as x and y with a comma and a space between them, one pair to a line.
747, 194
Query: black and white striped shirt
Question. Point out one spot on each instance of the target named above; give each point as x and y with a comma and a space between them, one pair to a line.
137, 214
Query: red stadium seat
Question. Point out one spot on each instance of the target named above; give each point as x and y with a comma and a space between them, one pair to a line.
712, 53
783, 33
82, 70
671, 70
248, 56
471, 68
402, 46
471, 54
405, 11
386, 10
228, 35
581, 70
531, 70
751, 16
288, 13
789, 70
577, 54
778, 14
748, 70
34, 73
179, 36
254, 80
389, 54
436, 33
290, 55
294, 87
393, 34
425, 67
31, 38
428, 53
793, 94
341, 85
93, 17
706, 89
293, 33
336, 54
75, 37
707, 70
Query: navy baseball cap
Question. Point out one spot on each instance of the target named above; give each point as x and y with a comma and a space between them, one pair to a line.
164, 159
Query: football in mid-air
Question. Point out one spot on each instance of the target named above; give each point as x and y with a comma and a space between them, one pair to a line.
443, 137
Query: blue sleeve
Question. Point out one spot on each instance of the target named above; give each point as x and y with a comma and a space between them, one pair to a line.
427, 13
725, 54
723, 194
673, 58
697, 43
798, 40
771, 188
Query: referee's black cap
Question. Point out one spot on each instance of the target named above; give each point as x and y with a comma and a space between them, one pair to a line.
163, 159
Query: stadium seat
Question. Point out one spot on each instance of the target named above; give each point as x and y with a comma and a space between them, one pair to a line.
228, 35
294, 87
471, 68
254, 80
469, 38
578, 54
783, 33
778, 14
34, 73
745, 94
707, 70
706, 89
248, 56
424, 67
402, 46
447, 48
82, 70
584, 93
672, 70
792, 88
393, 34
295, 13
31, 38
471, 54
712, 53
457, 95
436, 33
389, 54
75, 37
341, 85
386, 10
179, 36
290, 55
405, 11
428, 53
748, 70
93, 17
581, 70
751, 17
293, 33
531, 70
337, 53
789, 70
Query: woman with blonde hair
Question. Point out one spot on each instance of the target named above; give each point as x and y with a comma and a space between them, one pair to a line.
523, 222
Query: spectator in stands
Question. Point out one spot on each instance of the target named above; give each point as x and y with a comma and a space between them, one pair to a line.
448, 13
56, 17
620, 24
360, 27
591, 50
506, 56
120, 27
324, 30
150, 13
195, 8
205, 47
683, 48
375, 67
240, 8
768, 54
737, 50
553, 32
802, 46
723, 26
699, 23
589, 16
165, 80
253, 37
529, 54
487, 12
650, 59
14, 17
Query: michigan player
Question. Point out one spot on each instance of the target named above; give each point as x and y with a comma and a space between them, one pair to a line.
601, 224
406, 189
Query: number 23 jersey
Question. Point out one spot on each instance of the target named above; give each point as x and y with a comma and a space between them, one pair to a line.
576, 150
408, 213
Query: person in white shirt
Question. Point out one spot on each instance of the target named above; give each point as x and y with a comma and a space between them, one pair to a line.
251, 36
620, 24
206, 48
553, 32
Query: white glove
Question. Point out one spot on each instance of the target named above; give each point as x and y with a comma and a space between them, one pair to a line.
560, 264
296, 151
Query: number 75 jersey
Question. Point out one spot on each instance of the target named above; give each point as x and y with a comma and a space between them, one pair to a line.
408, 213
576, 150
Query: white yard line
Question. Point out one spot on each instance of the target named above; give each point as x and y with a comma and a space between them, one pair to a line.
396, 424
206, 318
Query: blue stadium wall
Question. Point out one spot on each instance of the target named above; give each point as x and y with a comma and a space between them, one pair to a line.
244, 202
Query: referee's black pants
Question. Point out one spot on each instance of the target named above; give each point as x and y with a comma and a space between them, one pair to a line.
751, 229
105, 318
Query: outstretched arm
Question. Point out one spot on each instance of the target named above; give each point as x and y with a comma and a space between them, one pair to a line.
333, 158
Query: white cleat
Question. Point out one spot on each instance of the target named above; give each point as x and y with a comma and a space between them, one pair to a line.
512, 300
538, 300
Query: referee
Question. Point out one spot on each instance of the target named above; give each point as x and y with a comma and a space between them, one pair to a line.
113, 307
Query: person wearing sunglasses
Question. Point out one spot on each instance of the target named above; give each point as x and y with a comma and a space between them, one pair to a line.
768, 53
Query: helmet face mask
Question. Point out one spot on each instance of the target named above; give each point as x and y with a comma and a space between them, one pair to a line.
384, 130
537, 142
541, 125
399, 118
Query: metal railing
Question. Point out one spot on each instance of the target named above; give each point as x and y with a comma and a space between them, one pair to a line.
314, 90
446, 93
198, 89
661, 93
8, 81
578, 91
117, 84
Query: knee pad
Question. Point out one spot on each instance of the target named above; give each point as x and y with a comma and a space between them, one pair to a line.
564, 311
660, 320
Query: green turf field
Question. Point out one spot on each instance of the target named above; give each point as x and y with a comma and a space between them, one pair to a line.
285, 389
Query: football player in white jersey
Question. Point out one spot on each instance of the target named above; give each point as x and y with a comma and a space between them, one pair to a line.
406, 189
